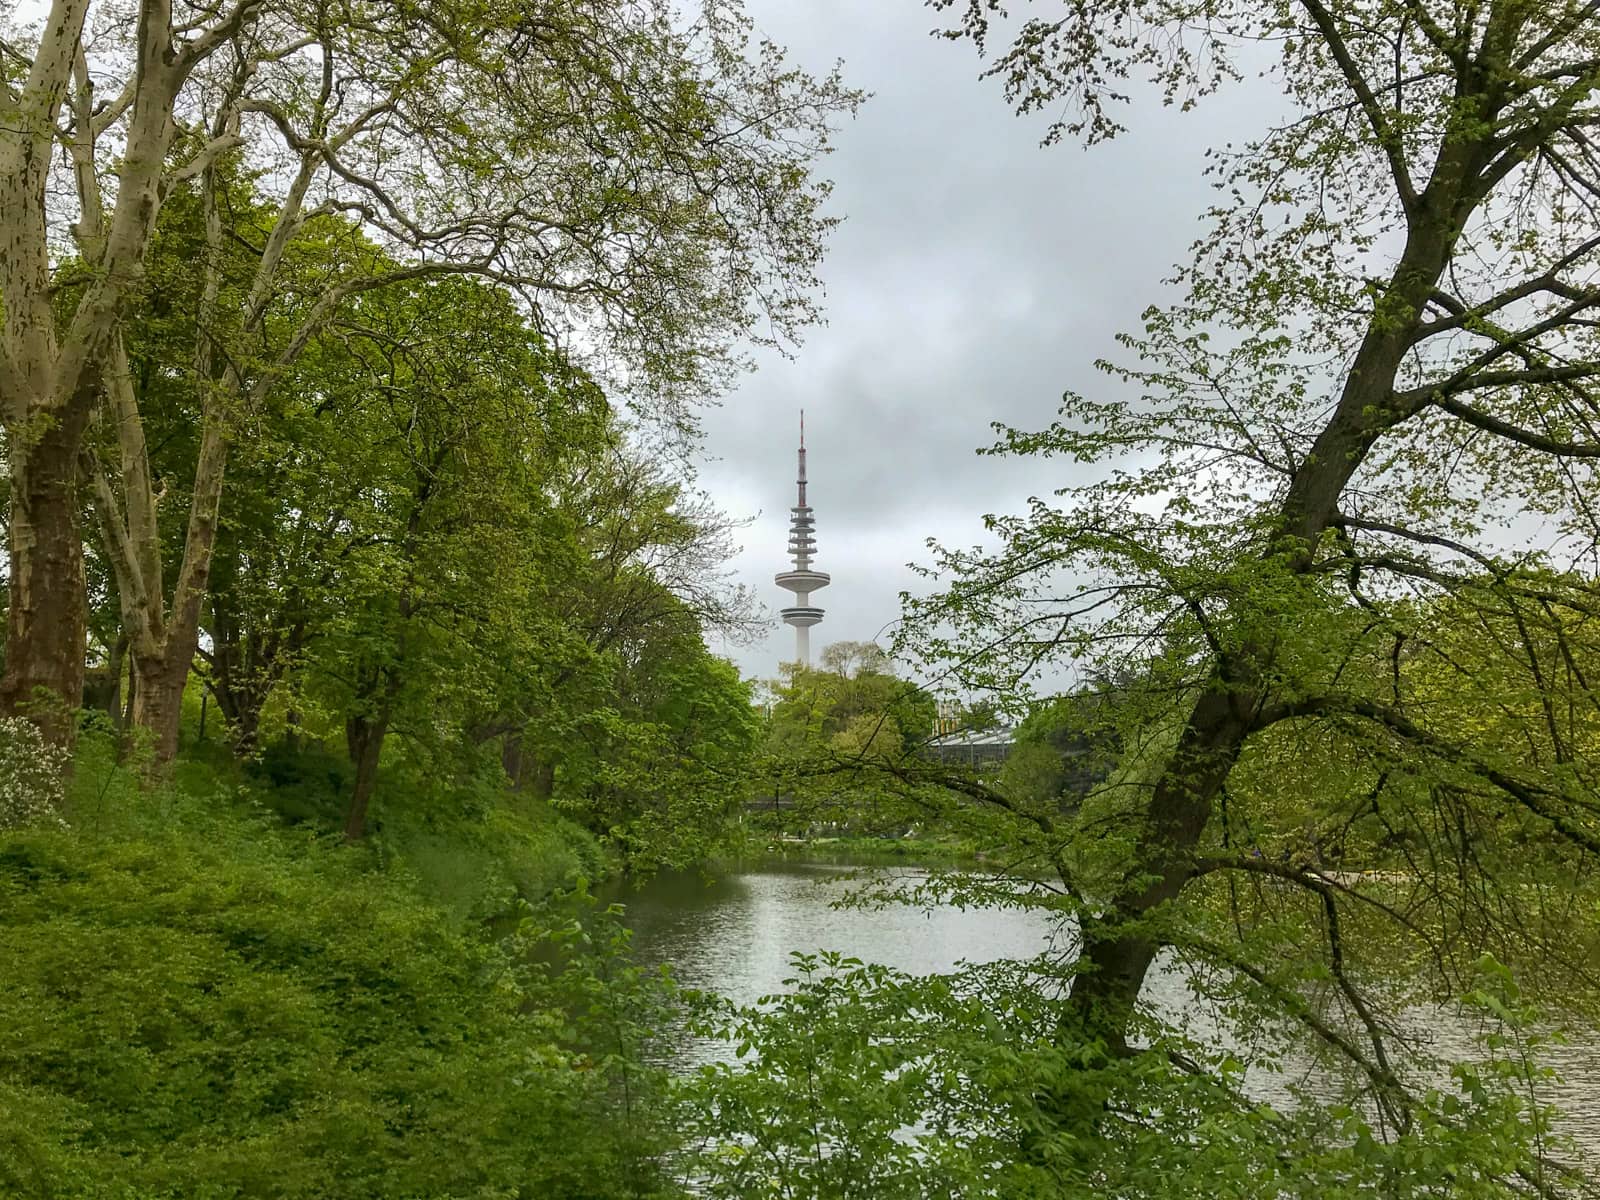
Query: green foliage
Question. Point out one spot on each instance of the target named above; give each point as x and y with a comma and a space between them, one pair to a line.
302, 783
199, 1004
444, 544
826, 724
864, 1082
478, 852
1329, 527
661, 772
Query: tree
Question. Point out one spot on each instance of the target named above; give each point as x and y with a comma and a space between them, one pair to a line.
452, 418
1378, 375
1060, 750
850, 659
640, 177
664, 757
856, 681
633, 560
826, 724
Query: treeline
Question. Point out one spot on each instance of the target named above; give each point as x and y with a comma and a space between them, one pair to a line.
311, 318
438, 538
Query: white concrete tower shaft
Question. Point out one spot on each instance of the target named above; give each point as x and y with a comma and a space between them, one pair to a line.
802, 580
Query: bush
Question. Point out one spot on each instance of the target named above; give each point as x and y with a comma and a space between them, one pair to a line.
306, 784
220, 1008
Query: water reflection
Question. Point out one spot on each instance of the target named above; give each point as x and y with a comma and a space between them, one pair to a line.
733, 933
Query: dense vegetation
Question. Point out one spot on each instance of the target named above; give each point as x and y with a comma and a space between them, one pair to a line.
358, 583
358, 597
201, 1002
1326, 578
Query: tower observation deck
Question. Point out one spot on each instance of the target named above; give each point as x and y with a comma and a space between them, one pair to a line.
802, 581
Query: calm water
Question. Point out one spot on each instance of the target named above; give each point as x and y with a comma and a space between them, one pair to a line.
733, 934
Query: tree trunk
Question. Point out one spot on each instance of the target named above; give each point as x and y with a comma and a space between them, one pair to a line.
1119, 946
511, 759
244, 723
246, 663
158, 705
47, 627
364, 737
541, 779
164, 641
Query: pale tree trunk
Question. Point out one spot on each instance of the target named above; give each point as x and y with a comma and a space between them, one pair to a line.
48, 384
165, 662
158, 704
164, 640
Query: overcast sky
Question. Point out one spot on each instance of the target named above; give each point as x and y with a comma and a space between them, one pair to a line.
975, 278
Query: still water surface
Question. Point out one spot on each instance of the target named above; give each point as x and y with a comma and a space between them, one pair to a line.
733, 933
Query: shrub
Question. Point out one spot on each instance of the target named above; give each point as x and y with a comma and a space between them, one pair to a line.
217, 1007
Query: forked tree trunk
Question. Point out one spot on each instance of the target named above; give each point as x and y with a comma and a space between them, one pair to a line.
163, 640
47, 626
158, 704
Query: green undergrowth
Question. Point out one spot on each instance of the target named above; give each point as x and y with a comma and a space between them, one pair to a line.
203, 1001
473, 848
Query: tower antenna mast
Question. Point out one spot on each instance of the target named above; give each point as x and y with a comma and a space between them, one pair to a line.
802, 580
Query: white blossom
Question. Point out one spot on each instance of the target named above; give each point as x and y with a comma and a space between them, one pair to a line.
32, 777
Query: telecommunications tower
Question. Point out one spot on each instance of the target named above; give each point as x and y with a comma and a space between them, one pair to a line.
802, 581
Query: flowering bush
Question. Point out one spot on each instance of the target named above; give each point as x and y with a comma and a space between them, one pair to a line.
32, 774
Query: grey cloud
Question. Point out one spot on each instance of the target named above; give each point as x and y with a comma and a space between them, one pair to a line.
975, 278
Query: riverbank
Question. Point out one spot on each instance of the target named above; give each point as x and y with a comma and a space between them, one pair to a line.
203, 999
741, 933
925, 851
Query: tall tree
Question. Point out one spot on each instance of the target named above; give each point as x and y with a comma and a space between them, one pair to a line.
639, 174
1379, 379
639, 554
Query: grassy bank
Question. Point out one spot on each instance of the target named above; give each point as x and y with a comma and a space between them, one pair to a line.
203, 1000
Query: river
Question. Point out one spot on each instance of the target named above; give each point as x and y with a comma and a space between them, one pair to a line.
733, 932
